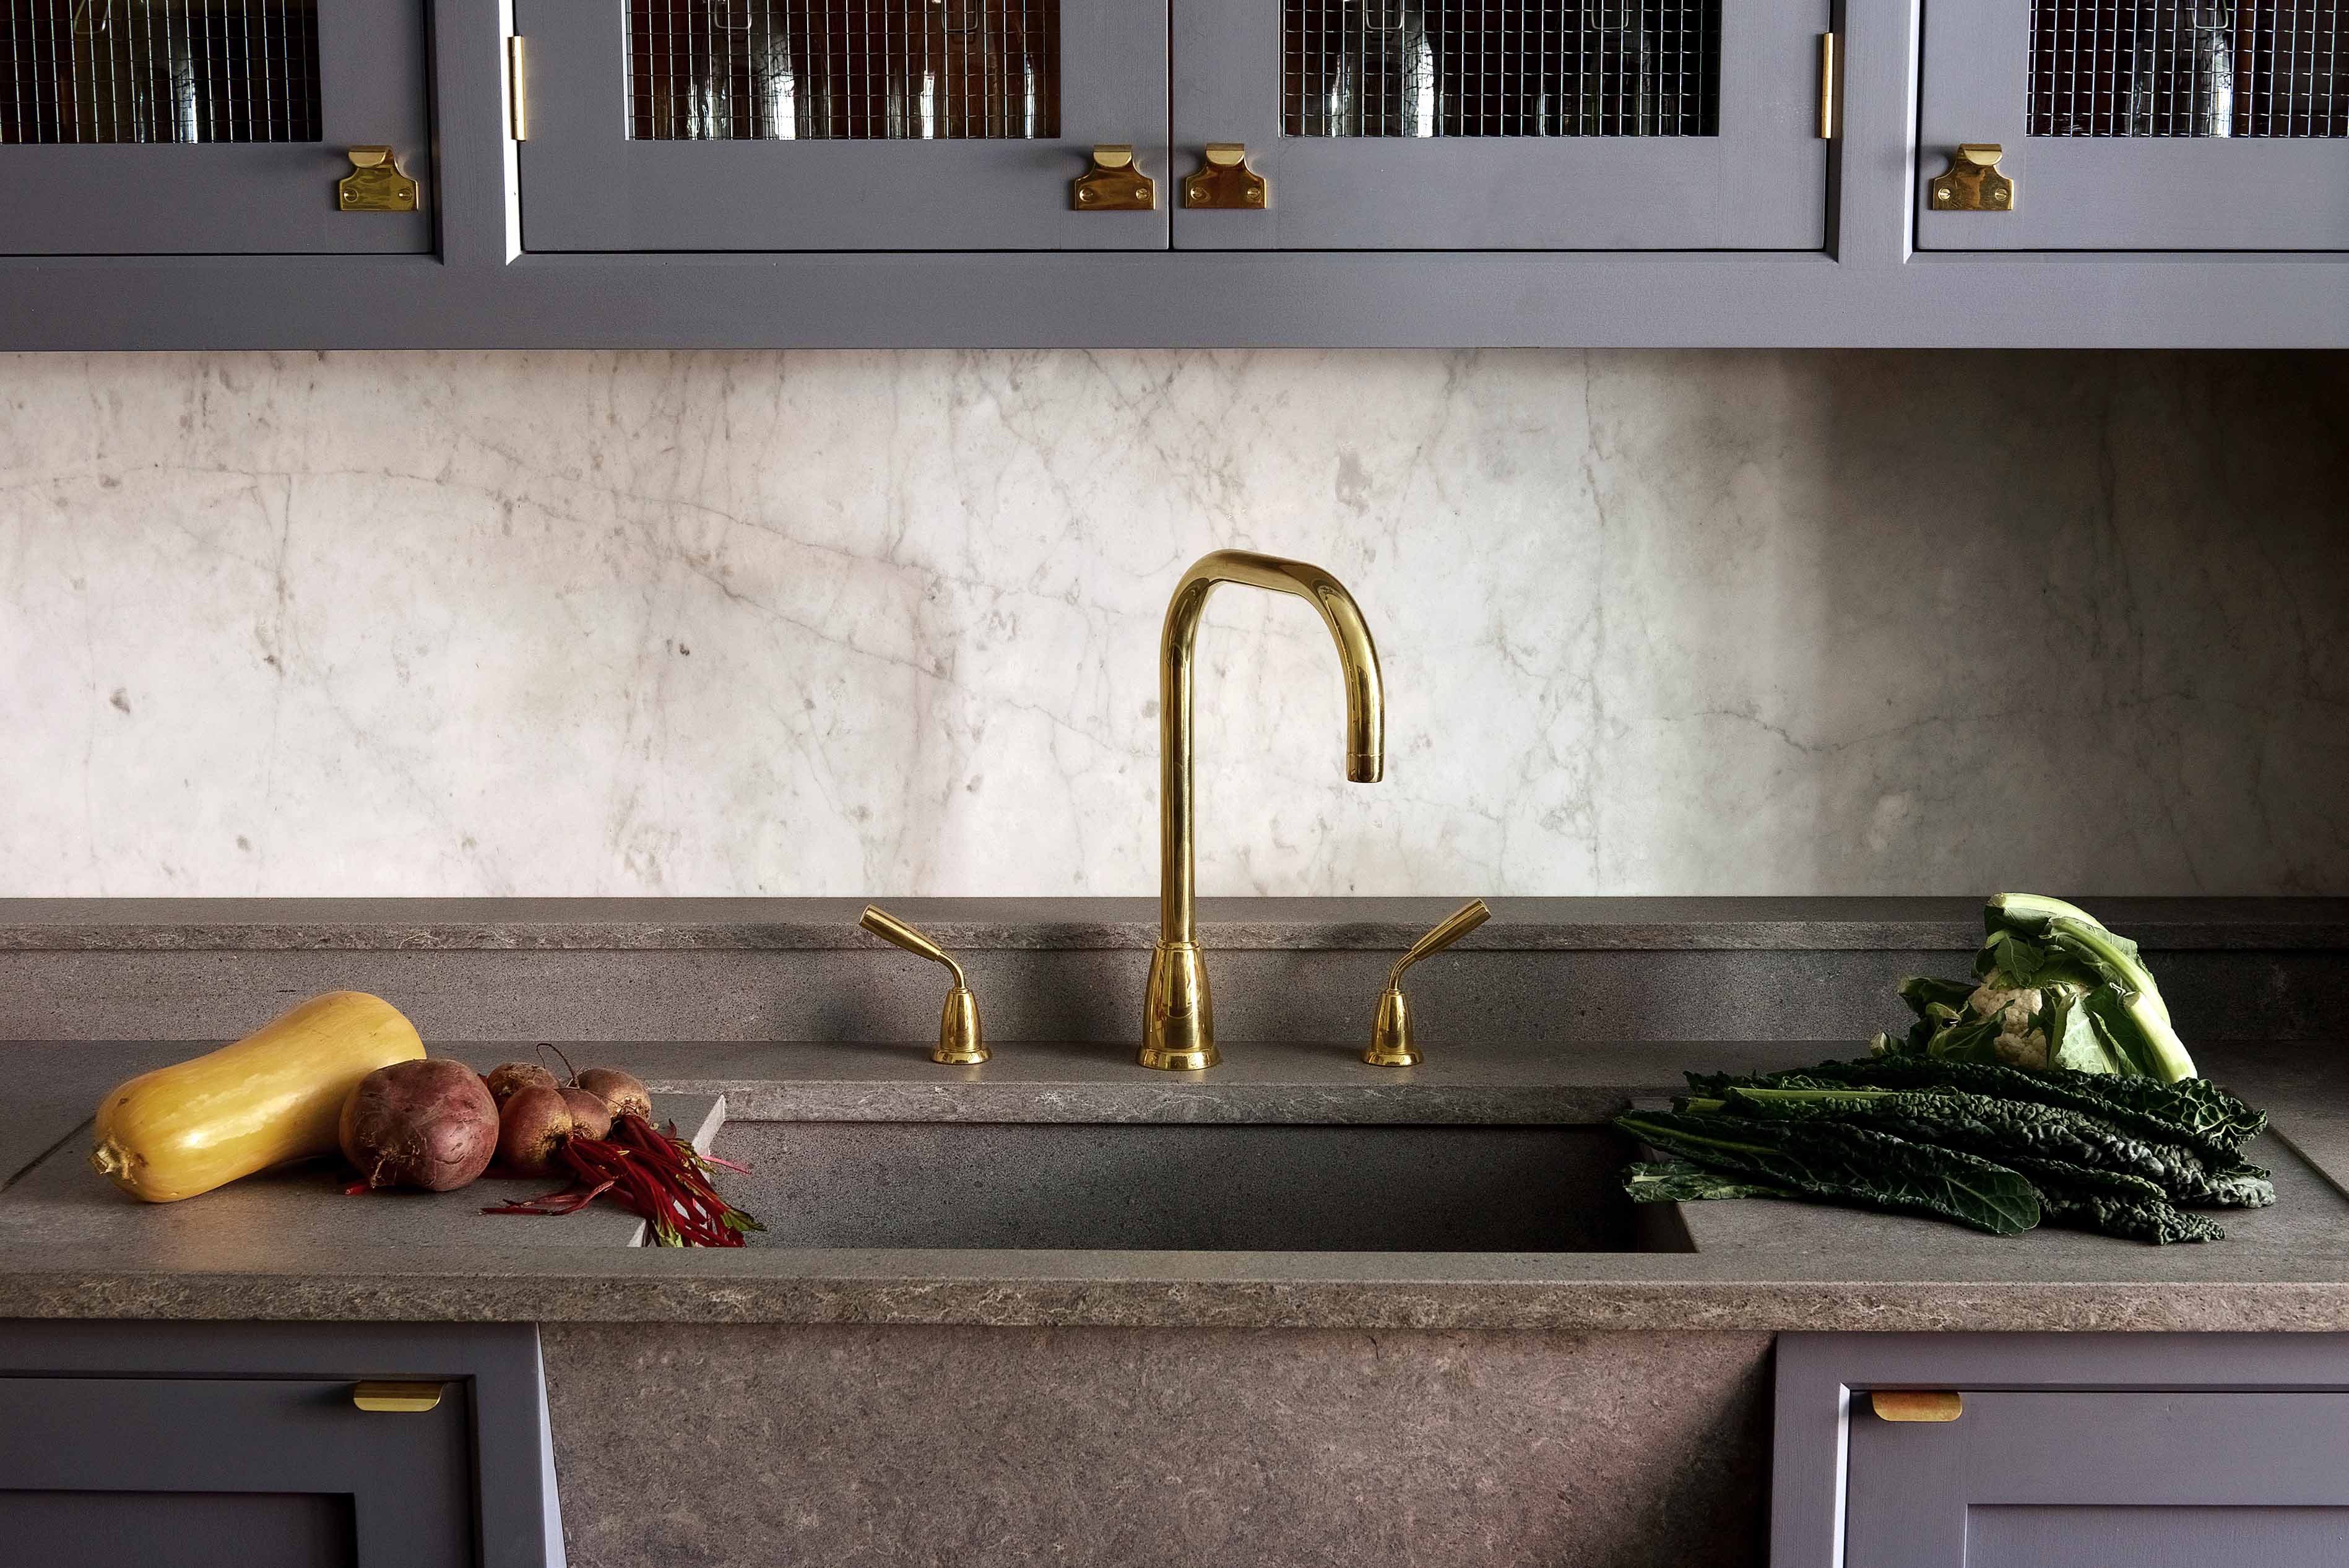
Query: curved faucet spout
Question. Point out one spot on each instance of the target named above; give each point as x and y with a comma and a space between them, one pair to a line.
1179, 1026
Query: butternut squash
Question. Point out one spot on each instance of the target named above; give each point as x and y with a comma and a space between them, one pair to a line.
275, 1095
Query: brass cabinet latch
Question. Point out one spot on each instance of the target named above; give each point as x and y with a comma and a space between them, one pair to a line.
398, 1398
1227, 181
1972, 184
1917, 1404
1113, 183
959, 1042
1391, 1043
375, 184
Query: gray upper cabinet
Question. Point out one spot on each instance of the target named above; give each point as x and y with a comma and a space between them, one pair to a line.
837, 125
215, 127
2169, 125
1600, 125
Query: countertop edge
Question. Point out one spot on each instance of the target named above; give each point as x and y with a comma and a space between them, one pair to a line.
744, 925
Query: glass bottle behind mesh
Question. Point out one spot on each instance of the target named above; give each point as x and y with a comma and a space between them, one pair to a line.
1360, 68
2153, 70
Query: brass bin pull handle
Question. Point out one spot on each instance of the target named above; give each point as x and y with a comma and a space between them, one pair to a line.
1113, 182
375, 184
1391, 1043
1227, 181
1917, 1404
398, 1398
960, 1044
1972, 184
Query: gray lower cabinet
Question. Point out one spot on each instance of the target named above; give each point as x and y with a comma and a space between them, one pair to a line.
220, 128
247, 1445
2063, 1452
2171, 127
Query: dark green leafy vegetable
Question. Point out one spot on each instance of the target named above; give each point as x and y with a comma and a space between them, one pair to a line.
1982, 1125
2192, 1112
1825, 1159
2111, 1202
1679, 1181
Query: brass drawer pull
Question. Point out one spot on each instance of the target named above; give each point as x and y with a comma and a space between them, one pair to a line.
1917, 1404
400, 1398
375, 184
1227, 181
1113, 182
1972, 184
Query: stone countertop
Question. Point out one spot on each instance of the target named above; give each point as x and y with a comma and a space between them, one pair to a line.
1905, 924
293, 1248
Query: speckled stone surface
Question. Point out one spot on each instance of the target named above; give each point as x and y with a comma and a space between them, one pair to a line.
874, 1448
1853, 1271
124, 925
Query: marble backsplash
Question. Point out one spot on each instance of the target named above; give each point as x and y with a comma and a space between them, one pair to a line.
887, 624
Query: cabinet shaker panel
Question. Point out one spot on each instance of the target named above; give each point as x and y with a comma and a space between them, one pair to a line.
1504, 124
214, 127
2186, 125
839, 125
2090, 1478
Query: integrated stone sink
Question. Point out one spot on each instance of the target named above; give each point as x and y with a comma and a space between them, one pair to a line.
1249, 1187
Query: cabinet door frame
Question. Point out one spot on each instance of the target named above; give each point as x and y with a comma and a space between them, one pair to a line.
2087, 193
586, 186
517, 1515
1819, 1375
249, 198
1760, 185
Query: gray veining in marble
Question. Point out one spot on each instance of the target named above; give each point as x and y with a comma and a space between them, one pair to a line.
810, 623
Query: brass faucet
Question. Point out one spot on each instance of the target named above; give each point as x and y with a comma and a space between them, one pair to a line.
1178, 1024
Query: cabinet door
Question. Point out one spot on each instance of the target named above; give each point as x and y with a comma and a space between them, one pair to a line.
208, 126
1506, 124
2062, 1479
241, 1473
836, 125
2132, 125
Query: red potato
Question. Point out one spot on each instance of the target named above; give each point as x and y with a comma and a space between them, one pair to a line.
624, 1093
429, 1124
590, 1117
532, 1129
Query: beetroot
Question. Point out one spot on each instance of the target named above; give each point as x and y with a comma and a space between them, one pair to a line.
429, 1124
624, 1093
507, 1077
590, 1117
532, 1129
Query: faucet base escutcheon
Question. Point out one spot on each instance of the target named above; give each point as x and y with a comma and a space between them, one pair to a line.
1178, 1018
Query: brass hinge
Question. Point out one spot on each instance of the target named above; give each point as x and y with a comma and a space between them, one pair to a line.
518, 112
1827, 86
1917, 1404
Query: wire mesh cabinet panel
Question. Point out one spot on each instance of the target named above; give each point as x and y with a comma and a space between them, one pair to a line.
1506, 124
2218, 125
838, 125
213, 127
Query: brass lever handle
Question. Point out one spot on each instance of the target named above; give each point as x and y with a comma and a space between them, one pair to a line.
1225, 181
1113, 182
960, 1044
401, 1398
1391, 1043
375, 184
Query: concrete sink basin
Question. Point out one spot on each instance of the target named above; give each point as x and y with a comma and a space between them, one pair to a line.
1246, 1186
